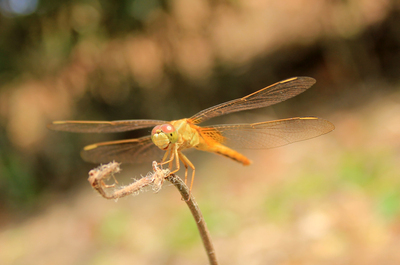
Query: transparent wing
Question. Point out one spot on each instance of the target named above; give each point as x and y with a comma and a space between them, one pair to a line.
268, 134
140, 150
267, 96
102, 126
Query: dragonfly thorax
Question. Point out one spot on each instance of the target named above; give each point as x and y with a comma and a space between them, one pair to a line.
164, 135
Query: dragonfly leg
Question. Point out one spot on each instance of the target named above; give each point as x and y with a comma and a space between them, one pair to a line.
175, 153
164, 161
171, 162
187, 162
165, 156
186, 166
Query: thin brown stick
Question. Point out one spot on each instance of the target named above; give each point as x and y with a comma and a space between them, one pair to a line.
197, 215
154, 179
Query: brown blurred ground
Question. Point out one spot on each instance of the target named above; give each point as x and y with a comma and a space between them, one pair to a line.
330, 200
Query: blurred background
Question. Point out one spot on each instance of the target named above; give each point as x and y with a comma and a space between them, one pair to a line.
334, 199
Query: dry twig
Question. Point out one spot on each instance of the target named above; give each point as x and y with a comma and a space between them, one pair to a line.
154, 179
197, 215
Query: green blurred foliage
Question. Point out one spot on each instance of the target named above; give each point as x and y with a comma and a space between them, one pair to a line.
112, 229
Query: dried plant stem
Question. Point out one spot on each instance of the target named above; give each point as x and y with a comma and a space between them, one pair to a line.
155, 180
99, 174
197, 215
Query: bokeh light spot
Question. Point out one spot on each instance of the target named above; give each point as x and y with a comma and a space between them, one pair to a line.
19, 7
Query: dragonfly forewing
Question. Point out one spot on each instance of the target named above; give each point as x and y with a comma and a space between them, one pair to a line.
102, 126
267, 96
140, 150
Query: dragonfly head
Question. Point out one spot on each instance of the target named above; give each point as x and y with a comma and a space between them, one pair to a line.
164, 135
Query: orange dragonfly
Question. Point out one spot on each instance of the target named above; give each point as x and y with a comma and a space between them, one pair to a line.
169, 139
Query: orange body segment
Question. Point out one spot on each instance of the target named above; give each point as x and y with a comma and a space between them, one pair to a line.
227, 152
210, 140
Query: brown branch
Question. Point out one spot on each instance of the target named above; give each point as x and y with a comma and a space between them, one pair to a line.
97, 176
197, 215
155, 179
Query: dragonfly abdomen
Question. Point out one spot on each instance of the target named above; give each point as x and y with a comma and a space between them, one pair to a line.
227, 152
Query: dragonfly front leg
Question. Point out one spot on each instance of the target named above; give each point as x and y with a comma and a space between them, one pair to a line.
173, 152
187, 163
164, 161
171, 155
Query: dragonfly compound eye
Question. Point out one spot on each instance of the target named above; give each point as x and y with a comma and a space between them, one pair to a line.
170, 132
156, 129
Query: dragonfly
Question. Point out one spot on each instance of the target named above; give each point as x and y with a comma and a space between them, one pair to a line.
169, 138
